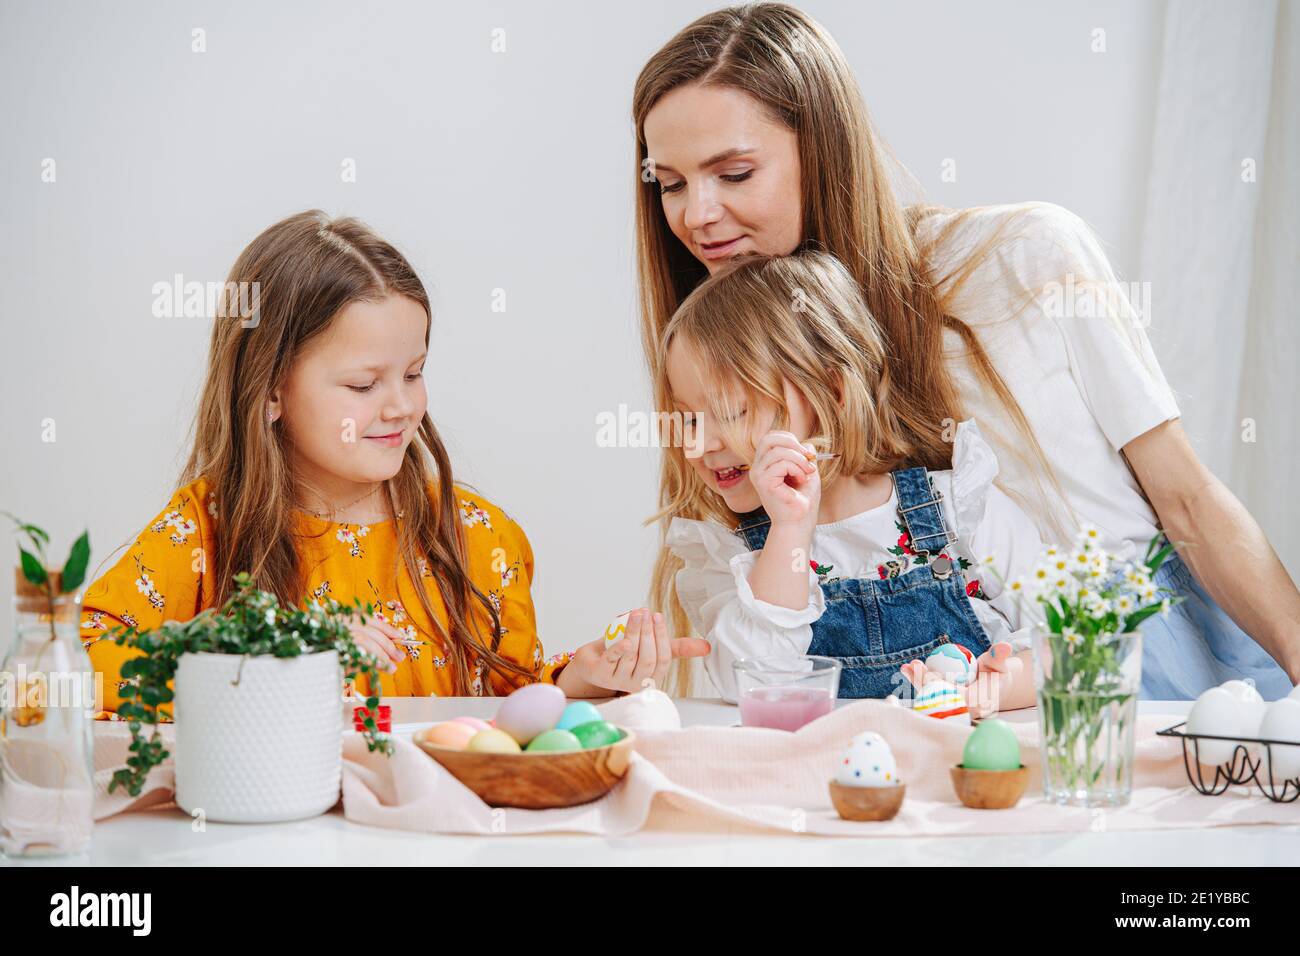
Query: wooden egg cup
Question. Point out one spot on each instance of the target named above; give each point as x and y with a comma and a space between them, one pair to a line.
990, 789
866, 803
537, 781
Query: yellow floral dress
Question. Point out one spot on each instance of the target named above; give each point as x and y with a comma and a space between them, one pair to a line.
164, 576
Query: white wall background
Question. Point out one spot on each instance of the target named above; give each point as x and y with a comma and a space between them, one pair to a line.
510, 171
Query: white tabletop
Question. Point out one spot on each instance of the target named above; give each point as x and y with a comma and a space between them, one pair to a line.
167, 837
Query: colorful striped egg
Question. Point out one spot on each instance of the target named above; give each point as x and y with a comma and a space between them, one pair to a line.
941, 699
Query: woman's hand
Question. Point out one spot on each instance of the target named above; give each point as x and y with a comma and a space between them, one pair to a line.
640, 659
381, 639
1000, 682
788, 484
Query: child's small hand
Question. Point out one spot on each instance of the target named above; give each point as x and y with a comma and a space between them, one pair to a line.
788, 484
998, 670
642, 655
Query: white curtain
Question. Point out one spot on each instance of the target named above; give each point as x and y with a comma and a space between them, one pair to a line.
1221, 248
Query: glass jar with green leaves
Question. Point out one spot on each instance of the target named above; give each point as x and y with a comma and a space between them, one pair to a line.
47, 699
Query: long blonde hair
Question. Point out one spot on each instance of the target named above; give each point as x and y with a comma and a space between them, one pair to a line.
790, 65
761, 321
308, 268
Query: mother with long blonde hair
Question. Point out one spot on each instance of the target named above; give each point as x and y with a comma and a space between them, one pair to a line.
752, 137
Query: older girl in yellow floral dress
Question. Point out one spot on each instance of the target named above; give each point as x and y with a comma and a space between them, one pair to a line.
316, 468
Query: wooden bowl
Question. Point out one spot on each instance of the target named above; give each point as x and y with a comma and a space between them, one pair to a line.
990, 789
537, 781
867, 803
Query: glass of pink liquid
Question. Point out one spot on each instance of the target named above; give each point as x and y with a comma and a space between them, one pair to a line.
785, 693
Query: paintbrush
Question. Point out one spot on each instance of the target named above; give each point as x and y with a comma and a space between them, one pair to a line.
820, 456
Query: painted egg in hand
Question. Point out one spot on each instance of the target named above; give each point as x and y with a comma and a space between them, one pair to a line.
616, 630
955, 662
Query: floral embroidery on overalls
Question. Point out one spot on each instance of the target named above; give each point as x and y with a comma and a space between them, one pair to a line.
907, 557
875, 624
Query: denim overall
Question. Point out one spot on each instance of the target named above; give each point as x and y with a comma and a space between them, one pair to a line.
874, 626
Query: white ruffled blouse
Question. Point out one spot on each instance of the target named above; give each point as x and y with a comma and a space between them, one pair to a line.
713, 587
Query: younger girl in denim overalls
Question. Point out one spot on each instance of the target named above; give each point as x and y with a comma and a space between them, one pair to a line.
864, 557
873, 625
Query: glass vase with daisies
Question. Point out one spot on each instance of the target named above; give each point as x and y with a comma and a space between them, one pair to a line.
1088, 606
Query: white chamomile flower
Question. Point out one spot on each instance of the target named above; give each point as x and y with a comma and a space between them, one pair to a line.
1079, 559
1017, 586
989, 561
1124, 604
1165, 605
270, 615
1148, 592
1071, 636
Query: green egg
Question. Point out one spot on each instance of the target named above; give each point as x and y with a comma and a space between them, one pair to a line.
992, 745
597, 733
553, 741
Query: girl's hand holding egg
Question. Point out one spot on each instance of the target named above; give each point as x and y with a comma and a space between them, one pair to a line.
985, 684
624, 665
788, 484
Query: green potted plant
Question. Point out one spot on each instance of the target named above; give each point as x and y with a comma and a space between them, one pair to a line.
256, 689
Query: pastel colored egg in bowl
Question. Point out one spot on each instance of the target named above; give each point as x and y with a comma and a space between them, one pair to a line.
536, 779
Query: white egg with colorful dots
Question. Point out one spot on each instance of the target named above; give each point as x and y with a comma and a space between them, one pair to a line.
616, 630
868, 762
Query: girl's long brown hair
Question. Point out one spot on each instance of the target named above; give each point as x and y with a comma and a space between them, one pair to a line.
784, 60
307, 269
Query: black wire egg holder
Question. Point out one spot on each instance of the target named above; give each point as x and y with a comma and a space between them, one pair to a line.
1227, 774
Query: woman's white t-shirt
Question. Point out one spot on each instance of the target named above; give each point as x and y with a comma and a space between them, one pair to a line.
1076, 358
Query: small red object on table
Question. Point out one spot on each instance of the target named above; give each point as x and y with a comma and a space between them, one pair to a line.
384, 721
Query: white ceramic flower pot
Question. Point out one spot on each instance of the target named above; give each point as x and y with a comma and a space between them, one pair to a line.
265, 749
